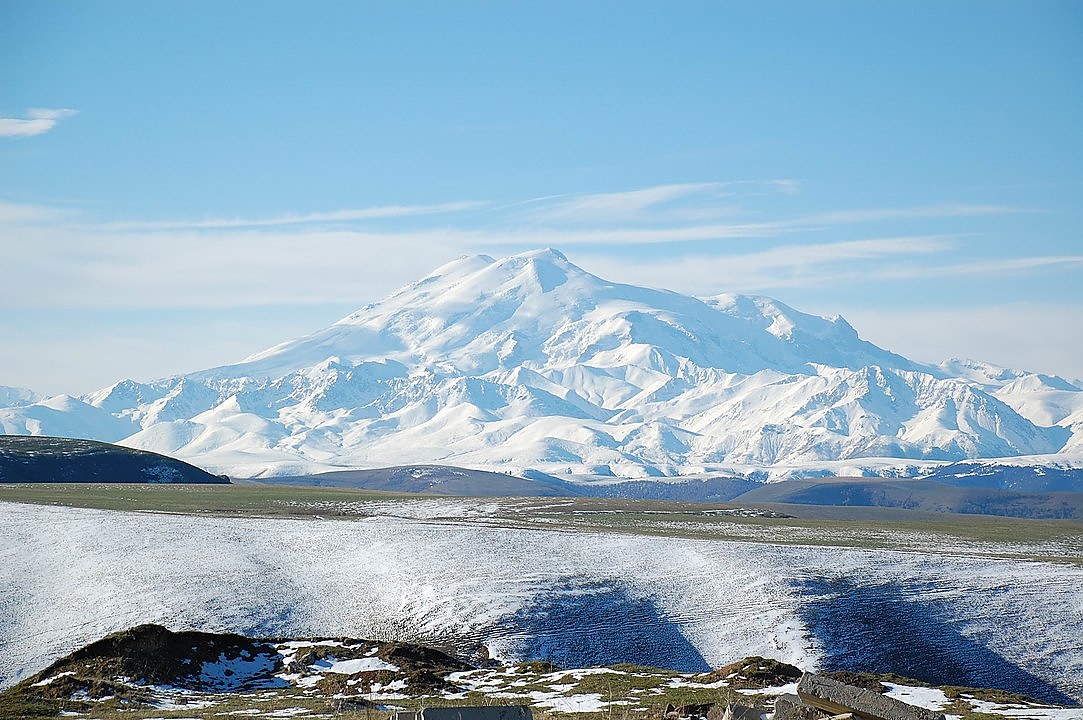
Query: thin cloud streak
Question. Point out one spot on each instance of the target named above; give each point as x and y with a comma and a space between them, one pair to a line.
982, 267
215, 268
253, 267
20, 214
600, 206
355, 214
786, 266
38, 122
307, 259
676, 231
820, 265
644, 217
846, 217
672, 202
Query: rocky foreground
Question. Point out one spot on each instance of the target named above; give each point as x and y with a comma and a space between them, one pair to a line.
150, 671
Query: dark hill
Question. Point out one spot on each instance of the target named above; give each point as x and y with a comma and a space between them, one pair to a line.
1021, 478
449, 480
36, 459
435, 480
918, 495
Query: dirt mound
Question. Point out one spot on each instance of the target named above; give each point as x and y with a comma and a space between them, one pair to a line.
422, 670
116, 667
156, 655
754, 673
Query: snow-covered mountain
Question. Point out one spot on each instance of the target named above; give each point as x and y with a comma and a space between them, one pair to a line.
15, 396
530, 361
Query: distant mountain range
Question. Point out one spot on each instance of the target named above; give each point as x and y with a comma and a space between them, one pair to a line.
532, 362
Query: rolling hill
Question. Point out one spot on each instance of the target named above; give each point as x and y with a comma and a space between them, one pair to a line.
64, 460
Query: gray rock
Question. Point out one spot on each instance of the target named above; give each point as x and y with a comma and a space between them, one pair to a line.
837, 698
790, 707
742, 712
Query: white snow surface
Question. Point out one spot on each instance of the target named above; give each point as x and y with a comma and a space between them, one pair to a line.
431, 581
531, 361
580, 703
926, 697
1026, 712
349, 667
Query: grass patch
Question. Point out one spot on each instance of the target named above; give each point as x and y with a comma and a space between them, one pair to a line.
236, 500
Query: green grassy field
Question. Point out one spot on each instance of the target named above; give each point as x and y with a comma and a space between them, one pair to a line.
241, 500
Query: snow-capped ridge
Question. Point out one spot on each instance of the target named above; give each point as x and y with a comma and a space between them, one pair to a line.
16, 396
532, 361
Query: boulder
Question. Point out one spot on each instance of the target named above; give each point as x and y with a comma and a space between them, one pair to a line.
836, 698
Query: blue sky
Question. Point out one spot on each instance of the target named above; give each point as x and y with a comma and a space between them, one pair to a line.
182, 184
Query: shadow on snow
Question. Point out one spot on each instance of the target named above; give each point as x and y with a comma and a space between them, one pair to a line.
584, 625
878, 628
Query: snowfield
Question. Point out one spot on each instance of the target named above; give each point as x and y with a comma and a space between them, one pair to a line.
532, 362
69, 576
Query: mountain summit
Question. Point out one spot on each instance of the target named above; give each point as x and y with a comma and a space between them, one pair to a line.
531, 361
537, 310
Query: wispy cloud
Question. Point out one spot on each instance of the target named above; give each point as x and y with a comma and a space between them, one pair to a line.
251, 261
821, 265
845, 217
57, 267
790, 265
694, 212
37, 122
252, 266
337, 216
1001, 266
19, 213
660, 203
597, 207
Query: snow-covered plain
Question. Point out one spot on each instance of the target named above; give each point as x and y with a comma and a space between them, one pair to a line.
533, 362
68, 576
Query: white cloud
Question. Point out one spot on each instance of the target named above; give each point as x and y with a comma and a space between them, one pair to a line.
297, 259
18, 213
352, 214
668, 203
642, 223
596, 207
248, 267
55, 267
39, 121
792, 265
846, 217
1001, 266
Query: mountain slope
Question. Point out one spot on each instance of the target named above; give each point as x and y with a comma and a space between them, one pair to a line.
16, 396
530, 361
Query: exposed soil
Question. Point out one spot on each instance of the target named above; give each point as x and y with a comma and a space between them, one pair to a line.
754, 673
